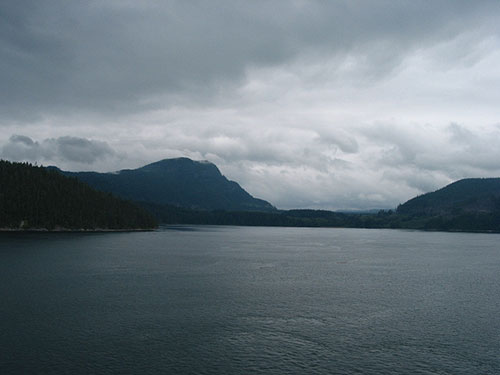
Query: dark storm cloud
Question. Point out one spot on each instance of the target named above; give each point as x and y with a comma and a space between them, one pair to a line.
73, 149
125, 56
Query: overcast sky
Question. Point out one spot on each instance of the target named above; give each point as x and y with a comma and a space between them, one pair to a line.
320, 104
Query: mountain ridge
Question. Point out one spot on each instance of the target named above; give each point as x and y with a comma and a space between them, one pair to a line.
181, 182
469, 195
471, 204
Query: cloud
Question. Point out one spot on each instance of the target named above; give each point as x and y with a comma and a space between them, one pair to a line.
325, 104
21, 148
122, 57
391, 162
62, 149
80, 150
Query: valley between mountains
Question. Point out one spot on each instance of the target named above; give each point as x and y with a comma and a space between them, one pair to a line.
184, 191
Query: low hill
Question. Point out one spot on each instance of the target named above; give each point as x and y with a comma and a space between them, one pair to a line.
180, 182
467, 205
467, 196
36, 198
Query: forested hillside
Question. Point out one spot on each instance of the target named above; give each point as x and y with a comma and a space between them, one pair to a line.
42, 198
180, 182
467, 205
33, 197
470, 195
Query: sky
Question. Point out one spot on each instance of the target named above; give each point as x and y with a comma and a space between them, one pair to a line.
307, 104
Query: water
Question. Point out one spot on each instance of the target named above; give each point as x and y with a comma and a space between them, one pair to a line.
236, 300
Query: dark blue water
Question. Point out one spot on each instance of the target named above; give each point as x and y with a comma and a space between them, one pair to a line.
216, 300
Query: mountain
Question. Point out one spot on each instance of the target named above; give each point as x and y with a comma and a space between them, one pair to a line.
467, 205
180, 182
37, 198
467, 196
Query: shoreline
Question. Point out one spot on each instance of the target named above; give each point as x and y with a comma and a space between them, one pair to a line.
68, 230
109, 230
335, 227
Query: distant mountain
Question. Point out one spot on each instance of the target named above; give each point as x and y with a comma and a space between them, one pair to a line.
183, 191
468, 196
180, 182
36, 198
467, 205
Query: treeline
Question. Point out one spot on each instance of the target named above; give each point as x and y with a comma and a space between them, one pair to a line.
34, 197
321, 218
285, 218
467, 196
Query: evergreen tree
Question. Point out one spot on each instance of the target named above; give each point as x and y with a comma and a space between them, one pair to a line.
36, 197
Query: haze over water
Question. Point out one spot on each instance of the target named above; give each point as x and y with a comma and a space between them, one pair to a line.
229, 300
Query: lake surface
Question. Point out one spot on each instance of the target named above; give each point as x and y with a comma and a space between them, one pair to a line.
243, 300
